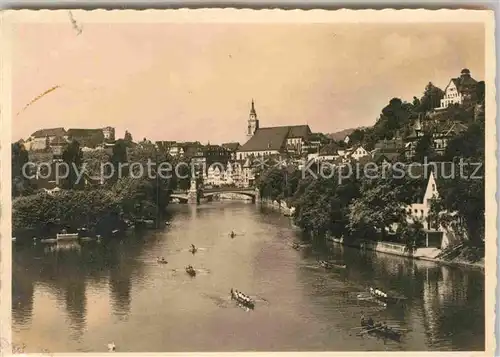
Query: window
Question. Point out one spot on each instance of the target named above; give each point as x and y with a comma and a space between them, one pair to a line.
421, 212
415, 211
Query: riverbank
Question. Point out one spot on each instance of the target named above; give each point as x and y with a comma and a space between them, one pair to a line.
429, 254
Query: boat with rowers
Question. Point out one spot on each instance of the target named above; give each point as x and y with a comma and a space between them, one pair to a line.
384, 297
190, 270
381, 329
330, 265
161, 261
243, 299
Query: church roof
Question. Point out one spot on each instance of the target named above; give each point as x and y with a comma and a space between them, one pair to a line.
267, 139
274, 138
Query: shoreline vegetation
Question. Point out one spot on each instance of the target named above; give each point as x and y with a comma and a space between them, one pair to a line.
376, 208
94, 208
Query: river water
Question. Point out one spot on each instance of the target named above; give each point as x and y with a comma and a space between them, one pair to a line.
79, 298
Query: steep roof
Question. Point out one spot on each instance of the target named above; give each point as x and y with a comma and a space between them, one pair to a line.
299, 131
465, 81
451, 129
231, 146
330, 149
42, 133
267, 139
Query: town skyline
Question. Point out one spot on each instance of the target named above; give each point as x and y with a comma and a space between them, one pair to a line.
198, 85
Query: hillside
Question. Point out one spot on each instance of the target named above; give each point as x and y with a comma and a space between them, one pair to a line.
340, 135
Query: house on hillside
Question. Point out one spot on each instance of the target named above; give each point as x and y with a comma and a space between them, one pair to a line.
437, 236
356, 153
329, 152
461, 90
444, 132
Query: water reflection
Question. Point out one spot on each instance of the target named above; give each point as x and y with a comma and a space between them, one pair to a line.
116, 291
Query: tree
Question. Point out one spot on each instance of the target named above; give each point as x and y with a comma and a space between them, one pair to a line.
73, 157
20, 157
424, 149
127, 137
431, 98
118, 161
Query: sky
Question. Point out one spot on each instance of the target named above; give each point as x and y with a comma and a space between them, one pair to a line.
190, 82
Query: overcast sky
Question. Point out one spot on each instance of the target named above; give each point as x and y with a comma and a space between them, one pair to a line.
196, 82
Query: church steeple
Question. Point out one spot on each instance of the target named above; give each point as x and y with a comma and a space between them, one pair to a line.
252, 111
253, 122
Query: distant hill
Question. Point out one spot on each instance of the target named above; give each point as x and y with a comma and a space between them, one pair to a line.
340, 135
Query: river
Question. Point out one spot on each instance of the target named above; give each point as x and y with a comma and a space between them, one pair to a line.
79, 298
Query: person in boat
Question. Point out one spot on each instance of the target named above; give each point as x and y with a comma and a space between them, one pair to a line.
232, 234
363, 320
370, 321
232, 292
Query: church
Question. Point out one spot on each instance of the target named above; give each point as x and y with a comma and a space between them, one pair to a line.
275, 140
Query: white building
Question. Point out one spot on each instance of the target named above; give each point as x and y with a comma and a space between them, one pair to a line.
459, 90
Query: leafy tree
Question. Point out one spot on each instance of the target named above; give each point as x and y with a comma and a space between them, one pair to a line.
73, 157
424, 149
20, 157
118, 161
431, 98
127, 137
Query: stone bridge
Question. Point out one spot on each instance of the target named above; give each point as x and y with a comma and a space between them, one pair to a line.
183, 196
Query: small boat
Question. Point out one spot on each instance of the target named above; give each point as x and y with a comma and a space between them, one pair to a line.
48, 240
242, 299
193, 250
296, 246
167, 223
111, 347
161, 261
66, 236
382, 330
329, 265
382, 296
190, 270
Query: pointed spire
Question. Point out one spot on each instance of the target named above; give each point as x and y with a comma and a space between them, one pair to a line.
252, 111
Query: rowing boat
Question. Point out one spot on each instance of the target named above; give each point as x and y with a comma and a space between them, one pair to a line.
329, 265
243, 299
190, 270
383, 331
382, 296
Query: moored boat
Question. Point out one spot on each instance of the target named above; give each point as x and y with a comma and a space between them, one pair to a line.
242, 299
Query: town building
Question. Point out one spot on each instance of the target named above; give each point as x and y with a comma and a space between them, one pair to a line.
461, 90
232, 148
40, 139
108, 133
437, 236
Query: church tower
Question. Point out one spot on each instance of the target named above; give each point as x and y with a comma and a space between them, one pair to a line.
253, 122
